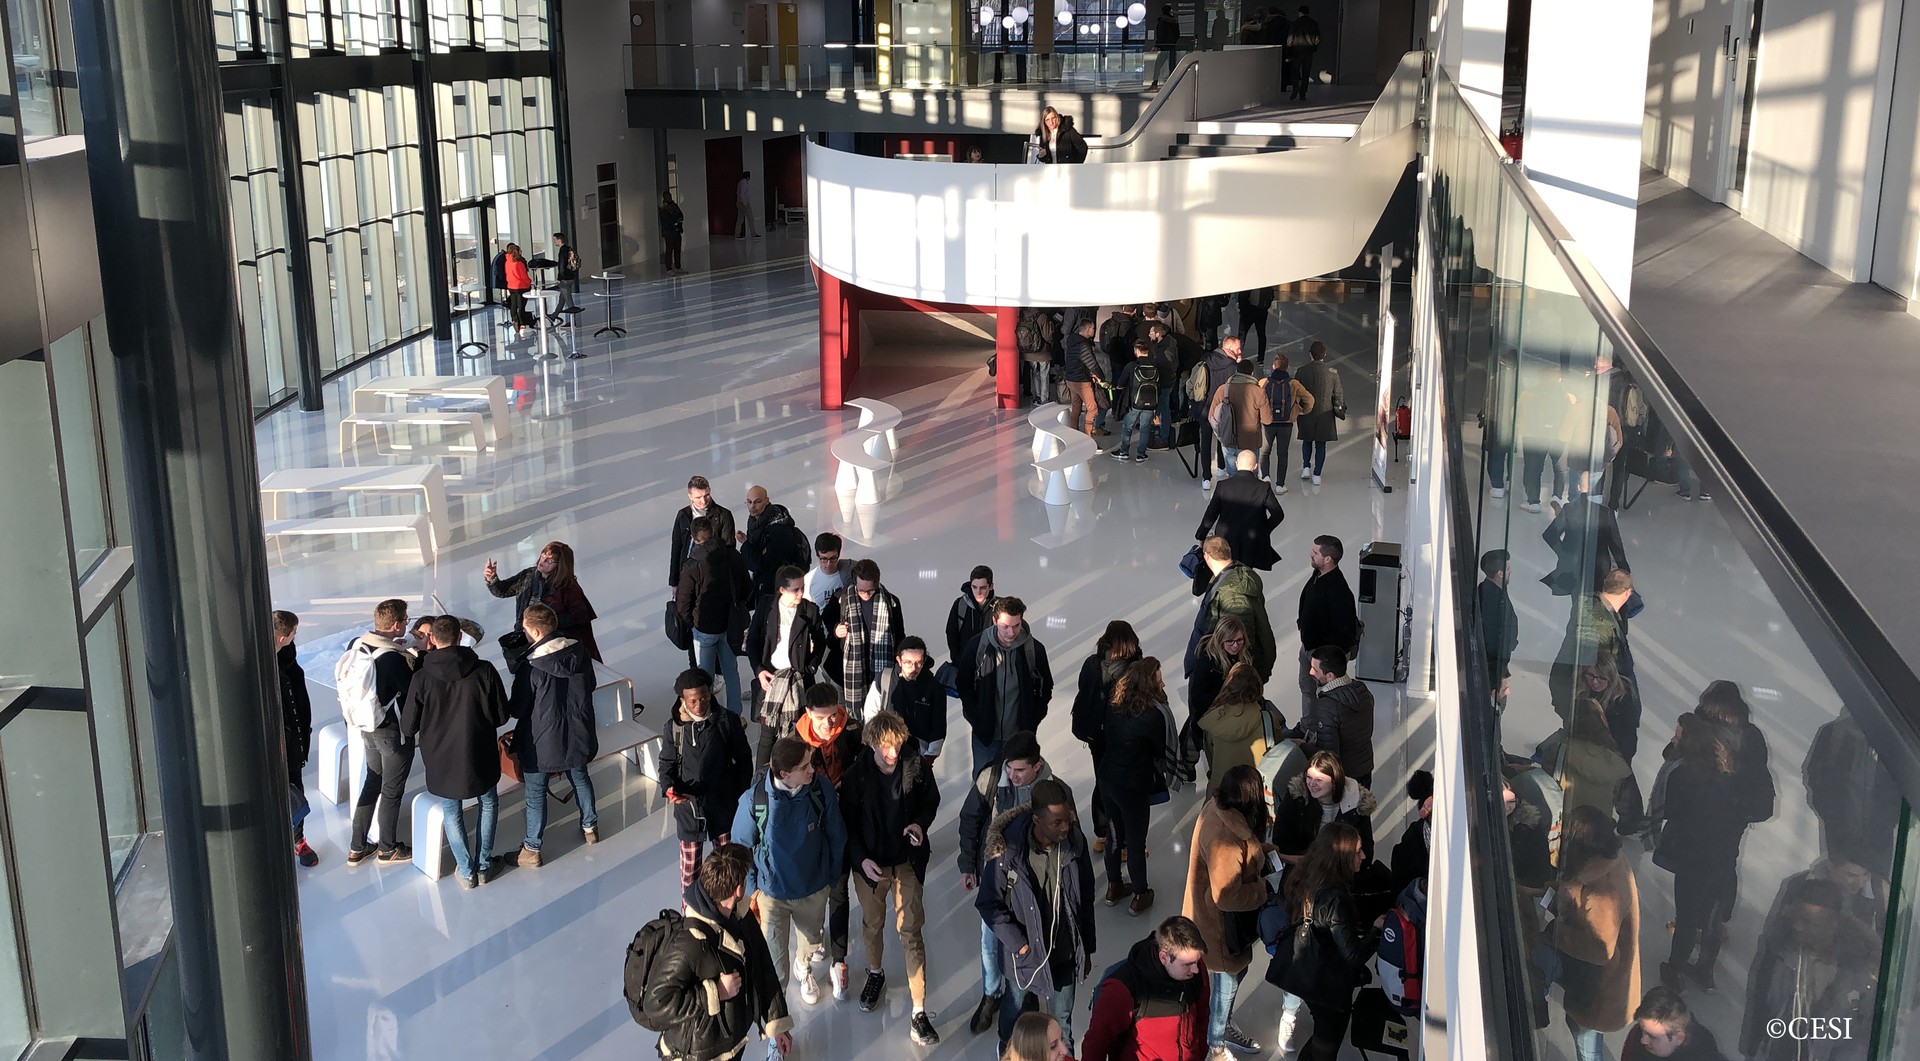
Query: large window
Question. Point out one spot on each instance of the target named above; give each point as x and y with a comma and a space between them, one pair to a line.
263, 272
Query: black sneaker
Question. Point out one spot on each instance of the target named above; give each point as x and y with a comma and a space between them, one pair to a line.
398, 853
357, 855
871, 994
922, 1030
985, 1014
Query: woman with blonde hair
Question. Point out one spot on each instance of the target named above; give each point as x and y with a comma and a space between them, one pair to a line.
550, 581
1036, 1037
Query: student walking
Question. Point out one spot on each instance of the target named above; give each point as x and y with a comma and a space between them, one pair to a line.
891, 800
793, 825
705, 765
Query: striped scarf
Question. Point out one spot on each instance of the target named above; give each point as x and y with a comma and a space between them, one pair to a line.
862, 660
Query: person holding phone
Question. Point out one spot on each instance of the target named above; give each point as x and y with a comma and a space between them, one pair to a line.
550, 581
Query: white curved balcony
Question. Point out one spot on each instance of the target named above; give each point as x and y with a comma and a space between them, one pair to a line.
1133, 231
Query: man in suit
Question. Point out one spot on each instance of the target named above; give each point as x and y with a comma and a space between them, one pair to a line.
1245, 512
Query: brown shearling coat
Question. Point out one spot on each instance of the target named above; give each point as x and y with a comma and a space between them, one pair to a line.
1597, 920
1225, 871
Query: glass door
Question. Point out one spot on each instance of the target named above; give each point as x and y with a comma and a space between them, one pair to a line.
1745, 67
469, 251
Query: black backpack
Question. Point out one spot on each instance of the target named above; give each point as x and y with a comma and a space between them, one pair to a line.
1146, 386
645, 950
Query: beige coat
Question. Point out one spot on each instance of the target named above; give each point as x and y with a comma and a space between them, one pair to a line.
1251, 410
1597, 921
1235, 737
1225, 867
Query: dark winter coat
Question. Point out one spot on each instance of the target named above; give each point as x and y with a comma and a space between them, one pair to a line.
1327, 613
979, 667
296, 711
569, 604
921, 703
553, 699
1238, 592
1073, 146
990, 796
1411, 855
1010, 903
773, 541
456, 706
708, 761
1080, 365
1323, 382
1700, 1046
1704, 820
1499, 628
1586, 543
1091, 697
1324, 959
680, 542
1341, 721
966, 619
1297, 816
860, 801
713, 582
1133, 753
683, 993
807, 639
1144, 1014
1245, 512
1207, 681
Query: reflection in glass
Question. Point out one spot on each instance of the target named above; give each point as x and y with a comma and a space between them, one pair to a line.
77, 405
113, 734
31, 31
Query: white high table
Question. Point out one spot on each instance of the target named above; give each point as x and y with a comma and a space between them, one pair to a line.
423, 479
374, 395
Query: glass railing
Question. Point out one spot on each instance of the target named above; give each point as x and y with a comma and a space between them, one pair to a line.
813, 67
1698, 727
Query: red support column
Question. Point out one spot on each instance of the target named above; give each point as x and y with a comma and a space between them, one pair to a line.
833, 338
1006, 349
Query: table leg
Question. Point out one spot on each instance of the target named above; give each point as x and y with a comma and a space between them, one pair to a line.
434, 497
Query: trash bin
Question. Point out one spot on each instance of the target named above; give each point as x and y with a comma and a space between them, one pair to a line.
1378, 600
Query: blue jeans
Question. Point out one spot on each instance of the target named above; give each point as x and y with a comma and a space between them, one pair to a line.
1165, 434
298, 800
1140, 420
1312, 454
483, 836
1588, 1045
1014, 1000
984, 753
1225, 985
707, 651
1230, 459
992, 980
537, 804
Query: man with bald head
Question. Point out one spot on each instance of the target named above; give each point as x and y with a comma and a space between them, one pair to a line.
771, 541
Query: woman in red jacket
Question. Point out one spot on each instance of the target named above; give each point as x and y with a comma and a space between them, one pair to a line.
519, 282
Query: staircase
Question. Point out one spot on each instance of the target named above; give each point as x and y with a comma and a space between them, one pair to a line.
1269, 129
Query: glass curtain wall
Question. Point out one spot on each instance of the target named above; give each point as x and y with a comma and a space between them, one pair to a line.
1695, 803
360, 155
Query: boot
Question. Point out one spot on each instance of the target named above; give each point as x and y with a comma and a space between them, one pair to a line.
1710, 940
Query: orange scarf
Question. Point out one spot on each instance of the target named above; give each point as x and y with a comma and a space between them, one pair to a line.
826, 740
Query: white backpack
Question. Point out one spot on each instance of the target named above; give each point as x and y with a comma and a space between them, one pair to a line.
354, 680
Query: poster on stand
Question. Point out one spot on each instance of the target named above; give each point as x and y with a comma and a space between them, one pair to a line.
1383, 397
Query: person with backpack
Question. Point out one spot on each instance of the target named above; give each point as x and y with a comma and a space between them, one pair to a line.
1152, 1005
1036, 895
911, 691
1238, 412
567, 273
891, 798
1080, 373
372, 677
1400, 960
793, 825
1132, 772
1005, 682
1227, 866
1202, 381
1288, 400
296, 721
1139, 387
1000, 786
1117, 648
1244, 511
786, 645
1413, 851
1320, 955
771, 541
456, 706
972, 611
708, 977
557, 734
1230, 588
1166, 357
705, 766
714, 585
835, 737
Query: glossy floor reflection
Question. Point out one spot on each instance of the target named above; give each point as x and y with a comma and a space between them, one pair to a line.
718, 376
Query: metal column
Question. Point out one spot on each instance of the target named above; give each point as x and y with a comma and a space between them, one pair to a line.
150, 95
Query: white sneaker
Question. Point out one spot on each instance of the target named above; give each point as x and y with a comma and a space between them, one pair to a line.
1316, 480
1280, 489
1206, 486
810, 989
1306, 471
1284, 1035
818, 956
1219, 1053
839, 981
1499, 491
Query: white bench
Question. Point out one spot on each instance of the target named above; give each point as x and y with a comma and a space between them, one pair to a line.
859, 469
1049, 423
425, 481
1065, 471
464, 436
377, 395
620, 731
881, 420
415, 524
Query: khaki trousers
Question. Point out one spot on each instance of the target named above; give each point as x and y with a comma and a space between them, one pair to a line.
910, 918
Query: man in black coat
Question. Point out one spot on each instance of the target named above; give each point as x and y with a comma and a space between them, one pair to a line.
456, 705
705, 765
715, 980
1499, 625
771, 541
1245, 512
1327, 612
296, 718
786, 643
553, 699
714, 584
700, 502
1005, 681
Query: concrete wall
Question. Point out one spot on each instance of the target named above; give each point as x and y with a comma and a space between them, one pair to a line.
595, 31
1688, 91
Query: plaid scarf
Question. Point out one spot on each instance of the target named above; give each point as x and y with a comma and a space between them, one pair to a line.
862, 660
781, 707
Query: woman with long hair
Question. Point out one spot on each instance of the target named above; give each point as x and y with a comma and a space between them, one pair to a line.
1132, 770
1699, 845
1036, 1037
1587, 762
1234, 726
1226, 886
1224, 646
1320, 796
1596, 931
1323, 957
1099, 672
550, 581
519, 282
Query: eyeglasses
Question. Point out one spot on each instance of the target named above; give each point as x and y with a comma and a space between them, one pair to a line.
1234, 641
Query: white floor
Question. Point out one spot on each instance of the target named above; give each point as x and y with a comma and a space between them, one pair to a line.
719, 376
